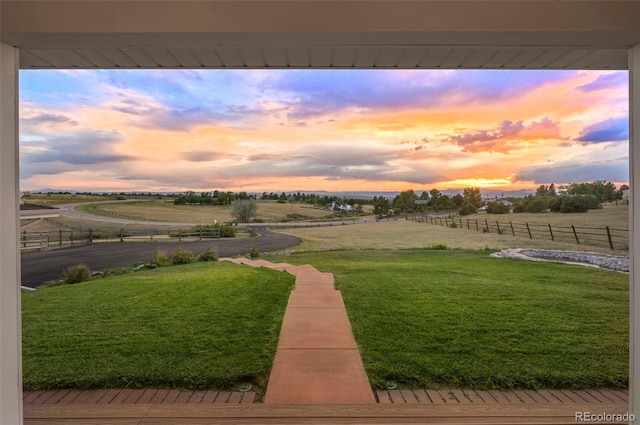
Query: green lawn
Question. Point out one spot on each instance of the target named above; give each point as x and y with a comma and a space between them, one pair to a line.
432, 318
197, 326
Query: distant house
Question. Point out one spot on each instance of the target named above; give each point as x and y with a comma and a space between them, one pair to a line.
340, 207
499, 201
504, 201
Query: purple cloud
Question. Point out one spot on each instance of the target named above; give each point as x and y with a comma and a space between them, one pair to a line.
322, 92
49, 118
607, 82
611, 130
486, 140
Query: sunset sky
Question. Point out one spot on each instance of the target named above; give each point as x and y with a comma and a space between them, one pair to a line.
308, 130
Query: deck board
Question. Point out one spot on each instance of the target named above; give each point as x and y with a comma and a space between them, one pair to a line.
257, 414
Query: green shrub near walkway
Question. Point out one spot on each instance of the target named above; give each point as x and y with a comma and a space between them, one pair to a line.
198, 326
442, 318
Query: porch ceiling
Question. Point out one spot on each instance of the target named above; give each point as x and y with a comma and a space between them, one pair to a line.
498, 34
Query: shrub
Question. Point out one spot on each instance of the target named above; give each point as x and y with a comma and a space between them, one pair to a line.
254, 253
519, 207
499, 208
161, 259
182, 256
467, 209
579, 203
76, 274
439, 246
227, 231
209, 255
536, 205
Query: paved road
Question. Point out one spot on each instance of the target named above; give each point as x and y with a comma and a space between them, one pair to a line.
40, 267
72, 211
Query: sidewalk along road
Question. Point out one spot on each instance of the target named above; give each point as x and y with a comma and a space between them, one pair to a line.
41, 267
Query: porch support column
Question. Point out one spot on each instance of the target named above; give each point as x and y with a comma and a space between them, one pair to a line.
634, 230
10, 333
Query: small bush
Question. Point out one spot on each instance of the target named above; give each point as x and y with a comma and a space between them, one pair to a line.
182, 256
579, 203
209, 255
499, 208
254, 253
439, 246
161, 258
76, 274
467, 209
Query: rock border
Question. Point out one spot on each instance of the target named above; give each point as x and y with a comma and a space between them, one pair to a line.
591, 259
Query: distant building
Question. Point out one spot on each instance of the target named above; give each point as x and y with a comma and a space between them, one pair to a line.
340, 207
500, 201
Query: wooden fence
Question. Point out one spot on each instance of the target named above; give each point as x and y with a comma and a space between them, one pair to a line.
44, 241
614, 239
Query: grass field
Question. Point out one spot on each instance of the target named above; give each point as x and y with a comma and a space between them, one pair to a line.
55, 199
198, 326
442, 318
616, 216
162, 210
402, 234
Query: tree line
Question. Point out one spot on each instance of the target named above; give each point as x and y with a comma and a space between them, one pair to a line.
227, 198
575, 197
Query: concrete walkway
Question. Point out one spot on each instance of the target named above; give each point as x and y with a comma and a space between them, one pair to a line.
317, 360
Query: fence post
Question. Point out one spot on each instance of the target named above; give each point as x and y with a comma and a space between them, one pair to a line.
575, 234
152, 232
498, 226
610, 240
179, 235
461, 223
551, 232
468, 224
512, 231
440, 220
528, 230
24, 238
60, 238
477, 227
486, 223
90, 236
200, 232
122, 234
71, 239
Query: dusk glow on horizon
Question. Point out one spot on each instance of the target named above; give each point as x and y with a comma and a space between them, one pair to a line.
312, 130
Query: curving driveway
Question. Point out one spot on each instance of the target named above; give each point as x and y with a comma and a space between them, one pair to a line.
40, 267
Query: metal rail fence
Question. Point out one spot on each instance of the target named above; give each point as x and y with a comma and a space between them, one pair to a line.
44, 241
614, 239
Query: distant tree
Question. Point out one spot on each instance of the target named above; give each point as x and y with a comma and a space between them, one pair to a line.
473, 196
458, 200
621, 190
244, 210
604, 191
381, 207
405, 201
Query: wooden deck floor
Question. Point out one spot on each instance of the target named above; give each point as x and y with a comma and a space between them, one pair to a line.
169, 407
